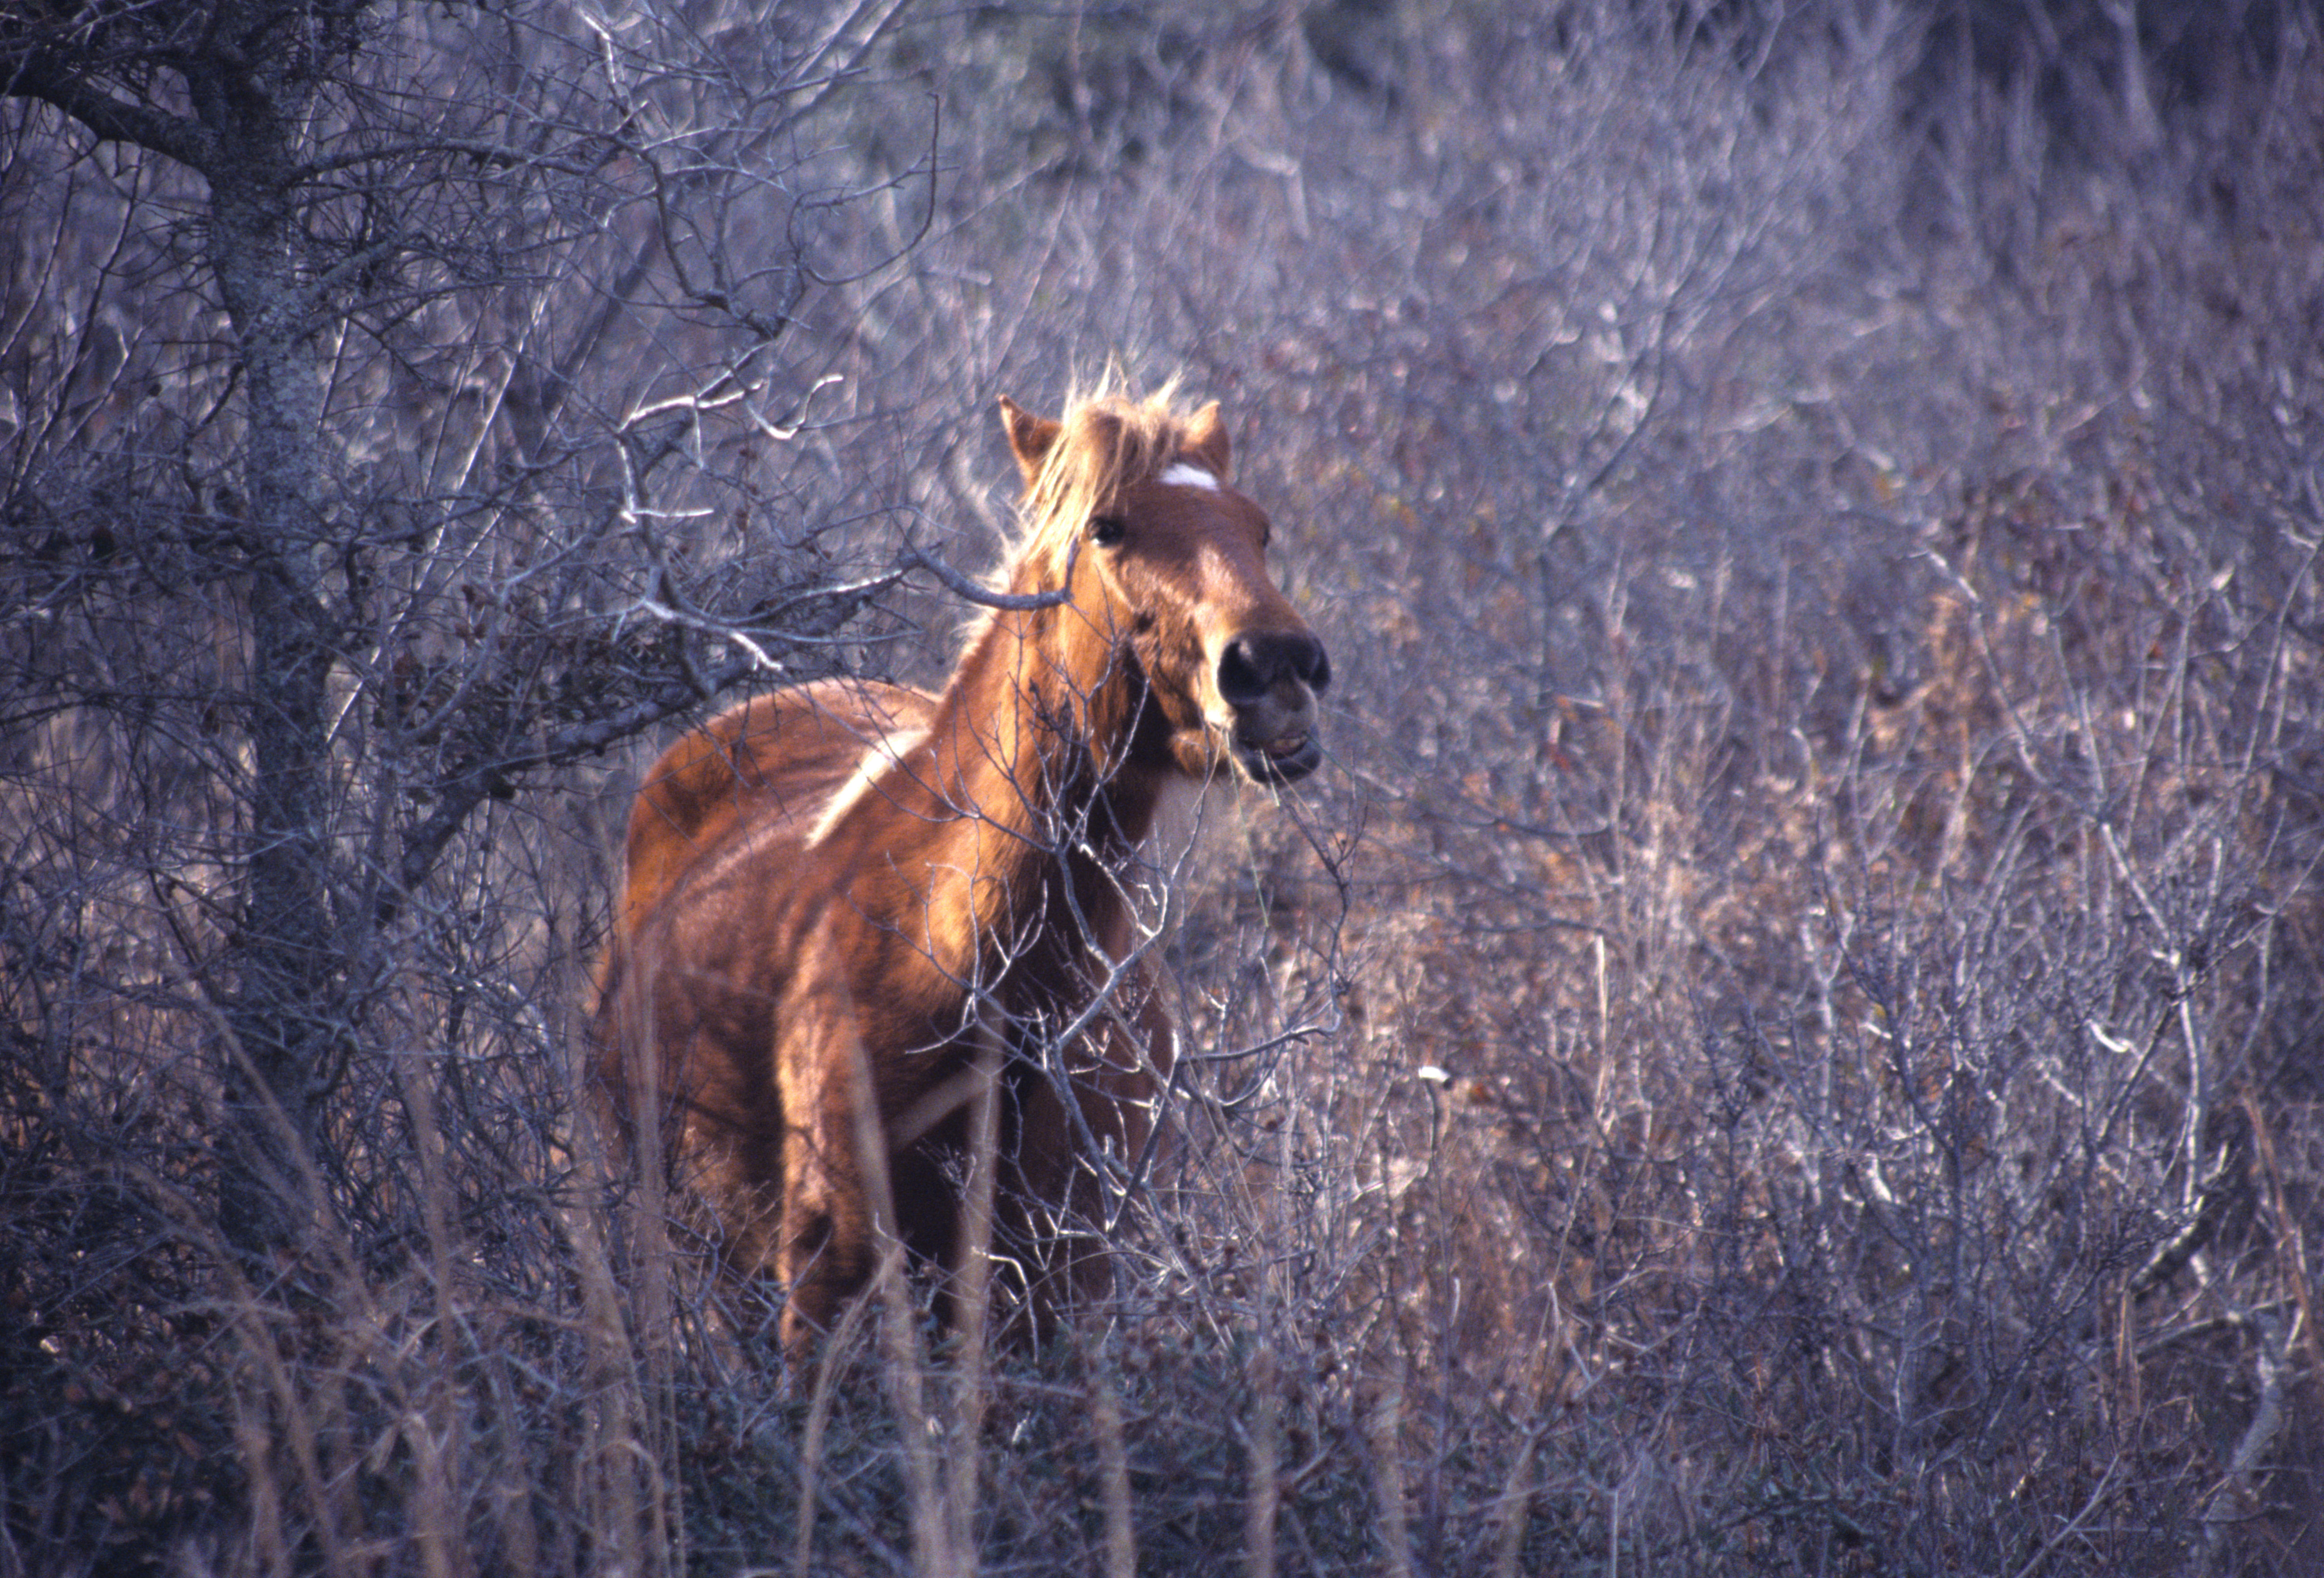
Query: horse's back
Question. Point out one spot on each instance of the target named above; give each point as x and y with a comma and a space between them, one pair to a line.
776, 759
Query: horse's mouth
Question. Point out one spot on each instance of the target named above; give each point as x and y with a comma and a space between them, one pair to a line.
1284, 759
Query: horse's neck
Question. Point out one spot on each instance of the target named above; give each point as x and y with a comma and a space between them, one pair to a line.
1031, 739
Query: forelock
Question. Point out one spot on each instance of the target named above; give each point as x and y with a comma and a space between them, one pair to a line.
1109, 439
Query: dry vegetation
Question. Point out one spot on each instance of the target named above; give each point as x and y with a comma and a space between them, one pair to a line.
1790, 1038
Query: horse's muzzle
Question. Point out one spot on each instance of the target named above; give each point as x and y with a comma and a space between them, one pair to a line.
1270, 681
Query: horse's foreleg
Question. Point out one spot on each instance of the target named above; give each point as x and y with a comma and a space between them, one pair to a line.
1062, 1195
1119, 1101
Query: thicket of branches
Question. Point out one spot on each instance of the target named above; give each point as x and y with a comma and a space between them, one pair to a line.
1786, 1040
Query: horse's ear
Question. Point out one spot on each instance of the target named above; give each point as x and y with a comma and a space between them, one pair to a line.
1030, 437
1206, 440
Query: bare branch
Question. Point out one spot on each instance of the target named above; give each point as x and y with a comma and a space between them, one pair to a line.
40, 76
961, 586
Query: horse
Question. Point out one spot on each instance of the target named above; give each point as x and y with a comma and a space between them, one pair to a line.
851, 909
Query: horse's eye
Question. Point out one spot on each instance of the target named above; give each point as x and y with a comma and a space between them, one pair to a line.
1107, 531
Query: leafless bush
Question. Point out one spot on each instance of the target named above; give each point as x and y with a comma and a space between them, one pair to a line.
1786, 1045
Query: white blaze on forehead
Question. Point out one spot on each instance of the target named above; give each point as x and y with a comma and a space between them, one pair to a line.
1184, 473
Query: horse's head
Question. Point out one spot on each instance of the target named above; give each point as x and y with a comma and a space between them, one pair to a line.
1132, 508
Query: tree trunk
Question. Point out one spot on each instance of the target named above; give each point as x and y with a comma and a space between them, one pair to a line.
289, 1008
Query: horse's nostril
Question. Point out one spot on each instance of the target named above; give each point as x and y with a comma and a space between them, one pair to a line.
1251, 666
1315, 667
1241, 678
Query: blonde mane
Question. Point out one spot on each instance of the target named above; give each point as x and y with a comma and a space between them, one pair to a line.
1111, 440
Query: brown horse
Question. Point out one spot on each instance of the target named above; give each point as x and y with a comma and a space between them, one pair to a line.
846, 901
